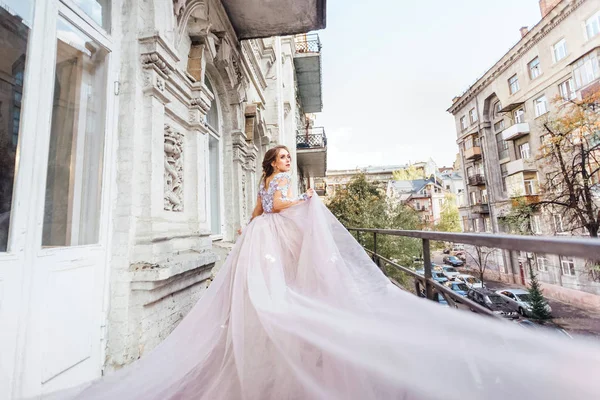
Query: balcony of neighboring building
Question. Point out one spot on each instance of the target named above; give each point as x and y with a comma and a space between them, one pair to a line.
520, 165
471, 147
320, 187
311, 151
481, 208
516, 131
523, 187
476, 180
254, 19
307, 62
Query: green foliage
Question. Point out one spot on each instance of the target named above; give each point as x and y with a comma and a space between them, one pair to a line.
408, 174
538, 302
518, 219
363, 205
449, 216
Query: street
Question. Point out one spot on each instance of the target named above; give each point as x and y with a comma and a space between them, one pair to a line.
576, 320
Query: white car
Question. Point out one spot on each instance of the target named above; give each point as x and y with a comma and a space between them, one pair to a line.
470, 281
450, 272
519, 300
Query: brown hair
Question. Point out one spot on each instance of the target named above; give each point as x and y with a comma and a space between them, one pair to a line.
270, 156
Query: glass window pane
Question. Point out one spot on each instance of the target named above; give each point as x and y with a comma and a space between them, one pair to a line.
98, 10
15, 24
215, 185
75, 161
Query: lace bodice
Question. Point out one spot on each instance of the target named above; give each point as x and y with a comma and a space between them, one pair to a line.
280, 182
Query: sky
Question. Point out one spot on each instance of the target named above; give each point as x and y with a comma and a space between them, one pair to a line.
392, 67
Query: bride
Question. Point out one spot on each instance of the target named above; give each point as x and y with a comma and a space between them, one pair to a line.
299, 311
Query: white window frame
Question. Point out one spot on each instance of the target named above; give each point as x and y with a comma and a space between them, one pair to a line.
536, 224
586, 70
472, 116
519, 115
592, 26
560, 50
558, 223
525, 150
532, 185
535, 68
567, 90
541, 262
567, 266
541, 106
513, 84
463, 123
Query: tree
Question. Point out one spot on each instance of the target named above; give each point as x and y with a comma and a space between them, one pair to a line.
480, 257
410, 173
363, 205
539, 305
571, 157
518, 219
449, 216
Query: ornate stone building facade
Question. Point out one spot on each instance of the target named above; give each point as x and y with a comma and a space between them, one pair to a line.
114, 214
499, 125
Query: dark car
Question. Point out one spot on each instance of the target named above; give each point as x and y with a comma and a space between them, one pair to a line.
493, 302
458, 287
453, 260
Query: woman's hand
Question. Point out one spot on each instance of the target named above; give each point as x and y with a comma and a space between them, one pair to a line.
239, 231
310, 193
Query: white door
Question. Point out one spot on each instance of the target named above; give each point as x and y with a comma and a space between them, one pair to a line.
64, 175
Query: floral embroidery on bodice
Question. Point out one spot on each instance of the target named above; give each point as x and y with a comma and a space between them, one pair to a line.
280, 182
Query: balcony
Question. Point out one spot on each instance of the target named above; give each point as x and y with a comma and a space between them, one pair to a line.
481, 208
516, 131
473, 153
528, 199
307, 61
254, 19
320, 188
477, 180
311, 152
521, 165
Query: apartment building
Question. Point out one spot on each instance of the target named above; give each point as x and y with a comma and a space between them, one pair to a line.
499, 130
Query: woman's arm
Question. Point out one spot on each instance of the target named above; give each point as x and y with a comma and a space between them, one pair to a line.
282, 198
258, 210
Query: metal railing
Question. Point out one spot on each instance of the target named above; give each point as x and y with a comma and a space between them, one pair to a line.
568, 247
476, 180
311, 138
308, 43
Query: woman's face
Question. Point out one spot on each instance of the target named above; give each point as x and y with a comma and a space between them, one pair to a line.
283, 162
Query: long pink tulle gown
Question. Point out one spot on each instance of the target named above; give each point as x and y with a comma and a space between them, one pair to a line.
299, 311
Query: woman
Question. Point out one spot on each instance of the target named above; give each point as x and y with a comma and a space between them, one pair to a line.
299, 311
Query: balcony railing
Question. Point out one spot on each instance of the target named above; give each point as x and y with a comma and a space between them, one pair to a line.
566, 247
476, 180
311, 138
481, 208
308, 43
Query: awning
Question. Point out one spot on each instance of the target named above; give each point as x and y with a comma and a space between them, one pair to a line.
512, 106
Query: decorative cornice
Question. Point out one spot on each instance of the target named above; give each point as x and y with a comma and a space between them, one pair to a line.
534, 36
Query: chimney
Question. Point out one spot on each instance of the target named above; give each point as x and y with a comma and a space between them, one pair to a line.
524, 31
547, 5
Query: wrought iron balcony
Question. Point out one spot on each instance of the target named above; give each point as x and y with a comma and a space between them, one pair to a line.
481, 208
307, 62
477, 180
311, 138
308, 43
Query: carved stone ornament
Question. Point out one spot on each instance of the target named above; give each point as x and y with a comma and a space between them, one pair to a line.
173, 147
152, 59
178, 6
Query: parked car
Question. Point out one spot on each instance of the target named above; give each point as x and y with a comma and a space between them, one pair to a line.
450, 272
493, 302
470, 281
520, 300
436, 275
446, 250
546, 325
453, 260
461, 255
458, 287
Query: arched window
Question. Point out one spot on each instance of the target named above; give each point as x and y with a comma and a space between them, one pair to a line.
214, 163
